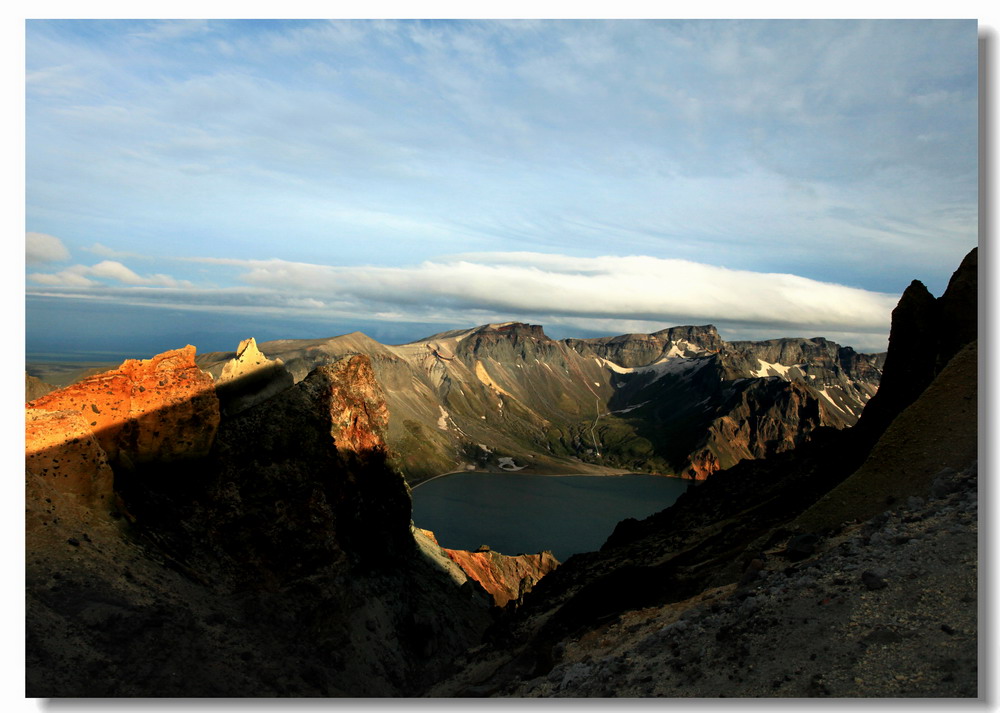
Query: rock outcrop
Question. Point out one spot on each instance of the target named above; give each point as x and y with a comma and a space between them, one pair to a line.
60, 448
280, 563
250, 378
149, 410
926, 333
305, 471
506, 578
635, 350
764, 417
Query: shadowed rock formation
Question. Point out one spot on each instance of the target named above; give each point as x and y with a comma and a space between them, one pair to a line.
279, 562
60, 447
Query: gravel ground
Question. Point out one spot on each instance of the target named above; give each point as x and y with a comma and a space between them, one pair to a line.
886, 608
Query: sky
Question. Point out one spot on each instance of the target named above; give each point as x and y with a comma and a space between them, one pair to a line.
205, 181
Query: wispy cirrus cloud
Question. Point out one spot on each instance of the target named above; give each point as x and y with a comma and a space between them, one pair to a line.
765, 171
745, 143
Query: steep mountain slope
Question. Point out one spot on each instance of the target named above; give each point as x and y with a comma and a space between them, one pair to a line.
678, 402
35, 387
175, 550
780, 516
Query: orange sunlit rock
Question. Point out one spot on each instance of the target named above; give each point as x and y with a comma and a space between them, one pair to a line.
506, 577
157, 409
60, 448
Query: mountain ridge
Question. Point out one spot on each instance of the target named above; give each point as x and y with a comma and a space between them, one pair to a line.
584, 405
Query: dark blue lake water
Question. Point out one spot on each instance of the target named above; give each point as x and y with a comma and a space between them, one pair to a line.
515, 513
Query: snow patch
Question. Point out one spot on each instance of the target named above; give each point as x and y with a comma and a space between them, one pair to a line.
660, 368
766, 367
443, 419
835, 404
674, 351
630, 408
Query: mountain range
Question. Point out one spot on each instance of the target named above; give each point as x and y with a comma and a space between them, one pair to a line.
680, 401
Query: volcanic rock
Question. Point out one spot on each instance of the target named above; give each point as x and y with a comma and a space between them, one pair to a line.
680, 401
158, 409
636, 350
280, 564
60, 448
276, 482
925, 334
505, 577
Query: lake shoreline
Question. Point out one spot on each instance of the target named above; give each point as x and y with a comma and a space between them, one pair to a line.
545, 475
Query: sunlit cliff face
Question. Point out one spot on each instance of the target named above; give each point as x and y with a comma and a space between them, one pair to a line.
158, 409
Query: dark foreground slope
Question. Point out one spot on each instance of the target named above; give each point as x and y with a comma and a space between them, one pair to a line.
171, 552
584, 627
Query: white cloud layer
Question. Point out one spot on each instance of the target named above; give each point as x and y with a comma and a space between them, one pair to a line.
609, 294
628, 288
86, 276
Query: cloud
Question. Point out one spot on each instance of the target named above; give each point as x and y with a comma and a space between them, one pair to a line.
714, 142
626, 288
105, 251
80, 276
168, 30
70, 277
42, 248
611, 294
843, 152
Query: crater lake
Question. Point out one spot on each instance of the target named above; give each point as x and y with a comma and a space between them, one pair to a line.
515, 513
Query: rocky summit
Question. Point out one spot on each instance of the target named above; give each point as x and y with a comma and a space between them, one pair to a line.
239, 524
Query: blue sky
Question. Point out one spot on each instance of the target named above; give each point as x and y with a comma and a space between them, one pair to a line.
303, 179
